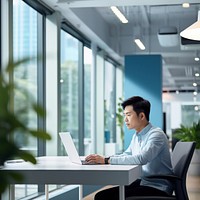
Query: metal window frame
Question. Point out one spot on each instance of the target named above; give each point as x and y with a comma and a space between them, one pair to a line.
83, 41
42, 8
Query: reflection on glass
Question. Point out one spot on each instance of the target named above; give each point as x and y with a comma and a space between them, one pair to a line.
87, 99
119, 94
69, 85
25, 76
190, 114
109, 102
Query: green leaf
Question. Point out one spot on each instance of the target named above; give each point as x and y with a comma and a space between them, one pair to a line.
14, 120
6, 177
39, 110
3, 100
40, 134
26, 156
12, 65
16, 176
187, 134
120, 110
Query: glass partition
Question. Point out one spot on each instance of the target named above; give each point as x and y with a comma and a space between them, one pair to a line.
109, 103
190, 114
69, 85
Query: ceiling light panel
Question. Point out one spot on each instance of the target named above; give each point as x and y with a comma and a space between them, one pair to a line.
119, 14
139, 44
185, 5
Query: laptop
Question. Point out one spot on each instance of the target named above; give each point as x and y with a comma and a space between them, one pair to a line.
71, 149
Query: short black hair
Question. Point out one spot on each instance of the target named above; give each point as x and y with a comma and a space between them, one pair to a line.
139, 105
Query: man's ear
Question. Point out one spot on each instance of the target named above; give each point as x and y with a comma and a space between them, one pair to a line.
142, 116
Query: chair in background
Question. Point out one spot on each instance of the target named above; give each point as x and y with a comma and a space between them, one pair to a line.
181, 158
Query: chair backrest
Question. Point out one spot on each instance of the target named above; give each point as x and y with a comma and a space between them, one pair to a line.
181, 158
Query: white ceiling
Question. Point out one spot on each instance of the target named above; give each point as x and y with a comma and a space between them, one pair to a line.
146, 17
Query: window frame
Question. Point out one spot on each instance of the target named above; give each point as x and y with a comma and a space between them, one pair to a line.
83, 41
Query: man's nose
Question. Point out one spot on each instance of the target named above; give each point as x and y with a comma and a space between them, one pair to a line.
125, 119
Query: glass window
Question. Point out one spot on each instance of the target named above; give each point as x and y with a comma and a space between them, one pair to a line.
109, 103
119, 98
69, 85
190, 114
25, 76
87, 99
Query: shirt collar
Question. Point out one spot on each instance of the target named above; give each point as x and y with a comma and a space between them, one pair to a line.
145, 130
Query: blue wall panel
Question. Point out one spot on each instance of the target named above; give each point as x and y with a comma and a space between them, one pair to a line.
143, 77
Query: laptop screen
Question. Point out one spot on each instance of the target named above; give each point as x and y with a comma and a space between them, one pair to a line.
70, 147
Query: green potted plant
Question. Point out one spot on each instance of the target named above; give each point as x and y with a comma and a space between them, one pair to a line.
187, 134
10, 123
120, 120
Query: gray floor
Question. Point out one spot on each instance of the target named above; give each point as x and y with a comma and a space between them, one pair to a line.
193, 187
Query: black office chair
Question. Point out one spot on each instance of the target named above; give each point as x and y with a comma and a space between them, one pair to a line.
181, 158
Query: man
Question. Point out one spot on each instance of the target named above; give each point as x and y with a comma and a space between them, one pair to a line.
148, 147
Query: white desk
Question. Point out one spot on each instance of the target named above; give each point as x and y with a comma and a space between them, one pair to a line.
59, 170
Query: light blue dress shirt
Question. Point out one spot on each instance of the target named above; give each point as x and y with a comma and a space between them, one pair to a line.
150, 149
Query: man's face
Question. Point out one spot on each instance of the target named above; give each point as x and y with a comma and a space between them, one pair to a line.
131, 119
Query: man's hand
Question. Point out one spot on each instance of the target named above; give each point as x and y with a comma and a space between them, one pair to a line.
95, 159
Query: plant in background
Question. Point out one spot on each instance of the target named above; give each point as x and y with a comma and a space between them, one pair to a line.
120, 119
11, 123
187, 134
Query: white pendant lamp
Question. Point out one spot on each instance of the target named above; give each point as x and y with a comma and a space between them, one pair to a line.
193, 31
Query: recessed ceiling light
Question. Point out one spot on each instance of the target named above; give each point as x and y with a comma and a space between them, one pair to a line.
194, 84
195, 93
196, 108
185, 5
196, 58
196, 74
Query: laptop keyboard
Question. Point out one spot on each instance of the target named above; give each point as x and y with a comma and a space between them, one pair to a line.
84, 162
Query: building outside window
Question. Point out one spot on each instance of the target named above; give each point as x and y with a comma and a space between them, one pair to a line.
109, 103
69, 85
25, 76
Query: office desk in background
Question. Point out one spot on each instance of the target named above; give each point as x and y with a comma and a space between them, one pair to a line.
59, 170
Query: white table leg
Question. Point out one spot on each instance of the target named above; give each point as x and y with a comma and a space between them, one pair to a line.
80, 192
46, 192
121, 193
12, 192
